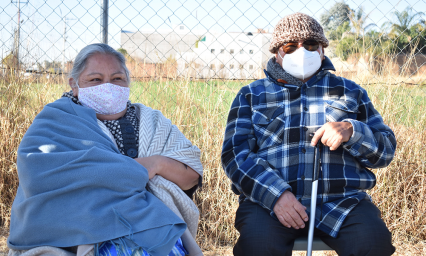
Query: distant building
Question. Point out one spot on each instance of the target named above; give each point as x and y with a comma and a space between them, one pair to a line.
238, 55
157, 46
227, 55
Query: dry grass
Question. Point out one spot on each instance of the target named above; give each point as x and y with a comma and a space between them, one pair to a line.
3, 246
200, 110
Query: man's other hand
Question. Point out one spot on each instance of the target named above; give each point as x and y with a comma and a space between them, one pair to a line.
290, 212
333, 134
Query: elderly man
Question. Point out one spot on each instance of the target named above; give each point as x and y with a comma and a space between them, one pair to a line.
268, 151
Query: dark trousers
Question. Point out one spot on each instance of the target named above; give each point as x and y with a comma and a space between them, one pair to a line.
363, 233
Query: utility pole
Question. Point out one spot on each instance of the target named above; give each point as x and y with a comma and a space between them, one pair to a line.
104, 21
65, 39
18, 31
63, 48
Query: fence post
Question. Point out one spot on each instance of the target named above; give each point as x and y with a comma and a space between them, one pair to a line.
104, 21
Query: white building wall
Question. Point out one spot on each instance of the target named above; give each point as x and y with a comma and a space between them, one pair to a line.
157, 46
221, 55
227, 55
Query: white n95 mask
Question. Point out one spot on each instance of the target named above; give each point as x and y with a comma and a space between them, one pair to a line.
105, 99
301, 63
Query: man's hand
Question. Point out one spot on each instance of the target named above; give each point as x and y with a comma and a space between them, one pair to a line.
333, 134
290, 212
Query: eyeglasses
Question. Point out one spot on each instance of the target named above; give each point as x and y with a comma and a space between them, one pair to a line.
310, 45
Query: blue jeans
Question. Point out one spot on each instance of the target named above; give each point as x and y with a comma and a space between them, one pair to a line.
363, 233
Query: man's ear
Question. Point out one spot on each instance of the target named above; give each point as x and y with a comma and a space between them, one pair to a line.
74, 87
323, 54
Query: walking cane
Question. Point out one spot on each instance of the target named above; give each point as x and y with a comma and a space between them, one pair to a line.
314, 192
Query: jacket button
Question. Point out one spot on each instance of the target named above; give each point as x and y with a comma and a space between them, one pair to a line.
132, 152
305, 108
303, 150
303, 177
129, 129
306, 128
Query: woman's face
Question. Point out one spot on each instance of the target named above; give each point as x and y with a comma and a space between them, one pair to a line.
100, 69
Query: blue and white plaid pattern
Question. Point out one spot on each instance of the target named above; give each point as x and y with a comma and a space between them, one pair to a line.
267, 150
111, 248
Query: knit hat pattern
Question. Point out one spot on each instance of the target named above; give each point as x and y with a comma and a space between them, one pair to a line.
295, 27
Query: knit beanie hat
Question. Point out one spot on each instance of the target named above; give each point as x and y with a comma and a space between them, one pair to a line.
295, 27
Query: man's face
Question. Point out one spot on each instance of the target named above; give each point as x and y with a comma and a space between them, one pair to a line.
281, 52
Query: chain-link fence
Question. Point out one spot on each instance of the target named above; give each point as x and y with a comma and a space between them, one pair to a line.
190, 58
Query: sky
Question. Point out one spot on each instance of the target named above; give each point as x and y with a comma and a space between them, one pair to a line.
43, 26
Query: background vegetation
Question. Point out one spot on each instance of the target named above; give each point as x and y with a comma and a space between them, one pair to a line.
351, 33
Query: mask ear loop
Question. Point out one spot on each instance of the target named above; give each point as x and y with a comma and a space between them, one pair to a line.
280, 55
78, 87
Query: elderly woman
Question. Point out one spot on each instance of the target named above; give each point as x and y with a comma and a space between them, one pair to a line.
84, 165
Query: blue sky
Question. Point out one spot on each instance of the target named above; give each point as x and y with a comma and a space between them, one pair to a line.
42, 26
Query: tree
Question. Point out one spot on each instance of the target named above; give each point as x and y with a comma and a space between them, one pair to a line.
418, 37
10, 61
358, 20
123, 51
404, 20
408, 25
342, 30
333, 18
347, 46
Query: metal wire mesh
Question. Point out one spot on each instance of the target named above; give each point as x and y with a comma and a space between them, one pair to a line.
207, 40
202, 52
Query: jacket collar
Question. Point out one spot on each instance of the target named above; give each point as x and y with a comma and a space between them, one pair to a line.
326, 65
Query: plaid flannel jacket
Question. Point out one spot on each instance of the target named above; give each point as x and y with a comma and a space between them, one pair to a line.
267, 150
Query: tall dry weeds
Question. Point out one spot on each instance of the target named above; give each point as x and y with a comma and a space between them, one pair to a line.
12, 127
20, 101
401, 187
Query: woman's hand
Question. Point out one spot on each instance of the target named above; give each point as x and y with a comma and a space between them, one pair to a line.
183, 176
152, 164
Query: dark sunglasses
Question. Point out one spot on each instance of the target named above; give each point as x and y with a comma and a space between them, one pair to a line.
310, 45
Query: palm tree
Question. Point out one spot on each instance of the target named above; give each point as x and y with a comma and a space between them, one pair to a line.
405, 20
359, 20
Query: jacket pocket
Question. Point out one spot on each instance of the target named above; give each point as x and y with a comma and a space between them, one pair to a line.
269, 125
338, 110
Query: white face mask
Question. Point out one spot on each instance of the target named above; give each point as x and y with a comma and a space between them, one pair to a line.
301, 63
105, 99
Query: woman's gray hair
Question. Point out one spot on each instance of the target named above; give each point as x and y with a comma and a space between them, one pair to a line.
92, 49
